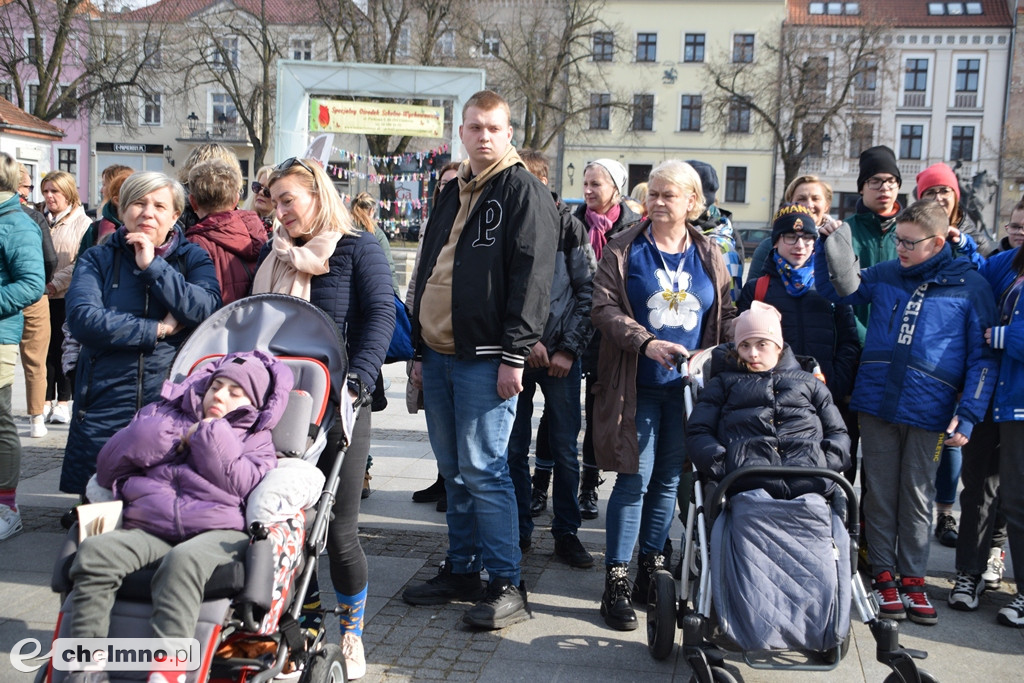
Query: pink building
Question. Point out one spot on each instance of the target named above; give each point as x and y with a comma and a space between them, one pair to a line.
18, 42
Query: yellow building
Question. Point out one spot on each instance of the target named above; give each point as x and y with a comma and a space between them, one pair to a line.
650, 104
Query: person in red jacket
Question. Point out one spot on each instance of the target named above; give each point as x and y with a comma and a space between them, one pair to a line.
232, 237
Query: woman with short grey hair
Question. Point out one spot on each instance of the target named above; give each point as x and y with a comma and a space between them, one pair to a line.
133, 301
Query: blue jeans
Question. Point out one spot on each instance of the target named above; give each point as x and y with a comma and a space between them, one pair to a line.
469, 426
562, 414
641, 505
948, 476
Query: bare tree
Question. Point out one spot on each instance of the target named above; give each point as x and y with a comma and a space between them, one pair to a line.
74, 57
803, 84
235, 47
390, 32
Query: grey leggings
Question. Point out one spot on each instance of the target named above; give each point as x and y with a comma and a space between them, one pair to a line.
103, 561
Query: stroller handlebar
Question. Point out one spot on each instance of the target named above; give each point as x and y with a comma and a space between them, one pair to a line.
852, 508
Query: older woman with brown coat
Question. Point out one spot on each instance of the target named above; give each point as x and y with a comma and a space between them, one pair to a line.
661, 290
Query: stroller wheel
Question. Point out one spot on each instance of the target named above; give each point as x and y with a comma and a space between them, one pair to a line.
661, 614
326, 666
718, 675
829, 656
925, 677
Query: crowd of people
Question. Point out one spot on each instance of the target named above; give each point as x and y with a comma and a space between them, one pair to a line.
913, 328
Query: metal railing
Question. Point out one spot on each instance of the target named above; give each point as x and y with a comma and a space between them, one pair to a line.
214, 131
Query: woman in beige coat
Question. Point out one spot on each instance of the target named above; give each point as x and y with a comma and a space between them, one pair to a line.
68, 224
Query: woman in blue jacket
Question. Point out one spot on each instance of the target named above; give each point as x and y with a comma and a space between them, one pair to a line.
132, 302
316, 254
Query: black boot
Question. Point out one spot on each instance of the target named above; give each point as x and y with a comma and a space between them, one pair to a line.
616, 608
588, 492
431, 494
539, 499
649, 563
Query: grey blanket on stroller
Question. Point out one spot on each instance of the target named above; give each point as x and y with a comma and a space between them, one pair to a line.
780, 572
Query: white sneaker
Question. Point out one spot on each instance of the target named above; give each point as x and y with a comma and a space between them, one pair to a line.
36, 426
355, 661
993, 574
61, 414
10, 524
966, 593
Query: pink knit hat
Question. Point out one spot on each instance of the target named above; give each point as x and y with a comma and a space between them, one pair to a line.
937, 174
761, 321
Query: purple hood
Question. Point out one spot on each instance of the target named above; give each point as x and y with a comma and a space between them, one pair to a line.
175, 489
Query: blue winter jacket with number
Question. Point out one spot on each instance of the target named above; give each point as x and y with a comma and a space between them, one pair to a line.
1008, 405
113, 309
921, 351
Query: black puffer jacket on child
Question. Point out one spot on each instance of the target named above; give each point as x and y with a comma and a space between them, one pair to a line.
784, 416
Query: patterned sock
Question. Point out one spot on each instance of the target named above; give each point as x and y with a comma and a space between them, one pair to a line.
351, 618
7, 498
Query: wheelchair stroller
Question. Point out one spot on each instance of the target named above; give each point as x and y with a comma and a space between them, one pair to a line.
803, 553
250, 624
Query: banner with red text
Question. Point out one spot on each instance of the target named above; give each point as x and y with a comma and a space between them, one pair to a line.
375, 118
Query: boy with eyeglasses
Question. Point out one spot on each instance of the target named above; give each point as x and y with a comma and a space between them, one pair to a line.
924, 345
1014, 230
868, 230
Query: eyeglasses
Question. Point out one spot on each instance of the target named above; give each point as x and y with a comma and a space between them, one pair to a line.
935, 192
1014, 228
794, 237
909, 244
877, 183
258, 188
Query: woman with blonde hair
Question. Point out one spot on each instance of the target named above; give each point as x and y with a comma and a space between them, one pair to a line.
259, 198
68, 223
661, 290
318, 255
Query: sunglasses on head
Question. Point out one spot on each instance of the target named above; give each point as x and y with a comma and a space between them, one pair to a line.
295, 161
259, 188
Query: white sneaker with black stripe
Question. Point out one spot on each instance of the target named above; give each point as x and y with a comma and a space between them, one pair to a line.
993, 574
966, 592
1013, 614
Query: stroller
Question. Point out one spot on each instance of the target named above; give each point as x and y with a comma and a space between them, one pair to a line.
249, 625
716, 607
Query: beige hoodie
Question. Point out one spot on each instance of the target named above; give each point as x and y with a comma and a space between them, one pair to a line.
436, 304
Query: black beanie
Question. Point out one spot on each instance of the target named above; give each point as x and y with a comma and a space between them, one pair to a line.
793, 218
876, 160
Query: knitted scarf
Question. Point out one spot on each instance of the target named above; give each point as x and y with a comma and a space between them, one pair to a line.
290, 266
797, 281
600, 224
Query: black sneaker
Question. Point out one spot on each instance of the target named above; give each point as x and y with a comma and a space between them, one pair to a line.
538, 502
431, 494
503, 605
445, 587
588, 503
569, 548
945, 530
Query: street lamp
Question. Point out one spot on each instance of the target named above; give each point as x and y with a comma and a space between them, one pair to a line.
193, 123
167, 155
571, 170
223, 121
826, 144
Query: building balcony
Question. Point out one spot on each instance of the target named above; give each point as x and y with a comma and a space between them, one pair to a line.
865, 99
965, 100
914, 99
233, 133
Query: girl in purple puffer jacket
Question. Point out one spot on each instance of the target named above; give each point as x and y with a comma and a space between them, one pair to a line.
183, 468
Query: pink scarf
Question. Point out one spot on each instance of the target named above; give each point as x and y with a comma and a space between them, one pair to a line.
600, 224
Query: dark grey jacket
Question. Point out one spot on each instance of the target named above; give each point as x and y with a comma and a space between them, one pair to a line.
569, 327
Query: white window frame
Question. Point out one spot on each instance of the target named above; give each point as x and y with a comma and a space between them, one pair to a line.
57, 147
28, 95
982, 72
60, 114
404, 48
160, 110
292, 40
233, 53
930, 80
925, 133
976, 123
211, 115
29, 35
732, 46
490, 43
446, 43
